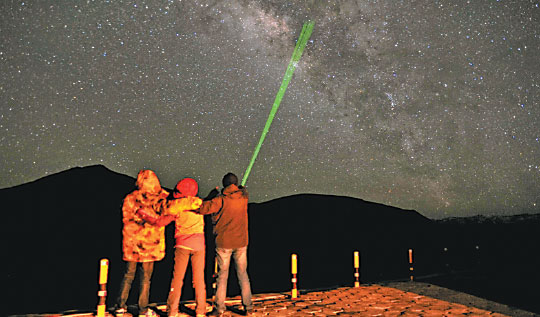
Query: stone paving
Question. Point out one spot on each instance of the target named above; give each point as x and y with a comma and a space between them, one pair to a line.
366, 300
370, 300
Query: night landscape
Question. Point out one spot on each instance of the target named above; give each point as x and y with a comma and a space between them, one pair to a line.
57, 240
376, 126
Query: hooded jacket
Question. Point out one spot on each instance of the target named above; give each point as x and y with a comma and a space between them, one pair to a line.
229, 217
143, 240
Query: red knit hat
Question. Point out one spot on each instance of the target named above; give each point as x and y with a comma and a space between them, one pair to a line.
187, 187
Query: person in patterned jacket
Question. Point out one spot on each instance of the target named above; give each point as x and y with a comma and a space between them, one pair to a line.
143, 237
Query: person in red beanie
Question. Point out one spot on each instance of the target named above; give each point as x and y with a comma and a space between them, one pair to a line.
190, 243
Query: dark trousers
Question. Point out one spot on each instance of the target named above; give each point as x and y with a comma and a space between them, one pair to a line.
147, 268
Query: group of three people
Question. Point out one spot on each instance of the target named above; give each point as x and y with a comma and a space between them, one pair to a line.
146, 212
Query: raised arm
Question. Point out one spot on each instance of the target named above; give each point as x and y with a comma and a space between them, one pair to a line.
211, 206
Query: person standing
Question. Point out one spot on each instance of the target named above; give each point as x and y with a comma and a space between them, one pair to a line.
143, 236
190, 242
230, 221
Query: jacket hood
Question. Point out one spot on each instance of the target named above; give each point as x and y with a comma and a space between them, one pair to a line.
234, 191
148, 182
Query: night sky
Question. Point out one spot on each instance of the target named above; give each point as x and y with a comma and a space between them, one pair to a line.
425, 105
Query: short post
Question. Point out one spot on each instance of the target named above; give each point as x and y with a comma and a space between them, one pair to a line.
294, 271
411, 268
102, 293
214, 276
356, 269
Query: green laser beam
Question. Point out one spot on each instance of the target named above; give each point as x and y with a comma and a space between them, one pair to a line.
299, 48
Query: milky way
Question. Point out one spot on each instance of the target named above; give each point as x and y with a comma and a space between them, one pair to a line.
424, 105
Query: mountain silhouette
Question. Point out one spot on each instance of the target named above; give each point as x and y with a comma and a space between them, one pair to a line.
57, 229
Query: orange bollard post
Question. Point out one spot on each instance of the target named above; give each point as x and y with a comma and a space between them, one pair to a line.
294, 271
102, 293
411, 268
356, 269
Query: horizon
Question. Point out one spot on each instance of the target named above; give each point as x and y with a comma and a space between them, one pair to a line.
422, 106
287, 196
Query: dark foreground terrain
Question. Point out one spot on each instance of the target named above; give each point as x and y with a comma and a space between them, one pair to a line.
59, 227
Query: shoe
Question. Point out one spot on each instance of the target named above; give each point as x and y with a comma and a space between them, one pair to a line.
122, 312
149, 313
216, 313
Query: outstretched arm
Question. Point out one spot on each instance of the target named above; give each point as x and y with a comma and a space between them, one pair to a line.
160, 221
211, 206
177, 206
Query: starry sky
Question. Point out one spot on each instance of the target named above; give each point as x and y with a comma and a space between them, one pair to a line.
425, 105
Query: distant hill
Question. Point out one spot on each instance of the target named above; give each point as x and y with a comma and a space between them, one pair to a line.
479, 219
57, 229
325, 231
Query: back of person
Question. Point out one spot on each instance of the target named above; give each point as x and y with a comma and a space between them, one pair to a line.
187, 222
230, 219
143, 239
231, 222
190, 246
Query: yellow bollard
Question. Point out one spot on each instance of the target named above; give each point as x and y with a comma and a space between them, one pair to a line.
356, 269
102, 293
411, 268
294, 271
214, 276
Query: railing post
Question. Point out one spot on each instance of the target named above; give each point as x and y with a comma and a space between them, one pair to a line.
294, 271
214, 276
102, 293
411, 268
356, 269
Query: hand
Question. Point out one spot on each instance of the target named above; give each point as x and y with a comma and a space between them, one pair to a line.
147, 215
197, 203
164, 194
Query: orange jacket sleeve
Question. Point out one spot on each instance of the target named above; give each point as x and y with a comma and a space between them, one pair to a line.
211, 206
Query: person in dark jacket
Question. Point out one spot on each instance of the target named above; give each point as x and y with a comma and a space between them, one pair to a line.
230, 220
